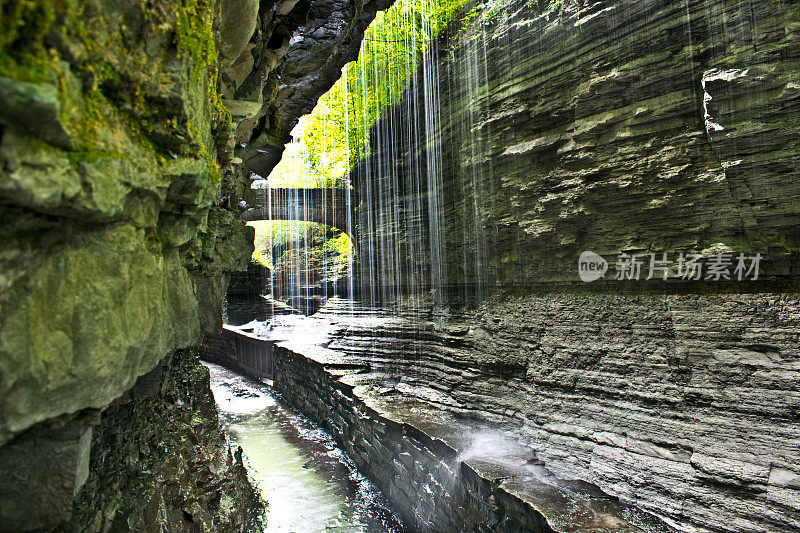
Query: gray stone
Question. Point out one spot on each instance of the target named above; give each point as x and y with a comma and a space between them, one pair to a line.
486, 495
159, 456
119, 218
34, 108
237, 23
41, 472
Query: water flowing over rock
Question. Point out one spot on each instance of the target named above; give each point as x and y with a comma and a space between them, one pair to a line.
613, 127
145, 472
534, 133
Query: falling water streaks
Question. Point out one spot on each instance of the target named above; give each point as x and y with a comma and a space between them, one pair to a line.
387, 169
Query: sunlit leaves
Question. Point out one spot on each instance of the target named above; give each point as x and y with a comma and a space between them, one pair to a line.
335, 135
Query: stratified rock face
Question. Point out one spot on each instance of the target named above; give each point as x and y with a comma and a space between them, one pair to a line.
632, 127
614, 126
684, 405
441, 472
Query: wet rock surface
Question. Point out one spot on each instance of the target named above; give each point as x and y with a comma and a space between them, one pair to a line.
117, 237
682, 406
612, 126
310, 484
631, 127
146, 473
42, 470
120, 198
443, 469
155, 460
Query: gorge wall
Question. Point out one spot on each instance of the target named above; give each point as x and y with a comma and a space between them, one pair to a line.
682, 405
123, 127
619, 127
615, 127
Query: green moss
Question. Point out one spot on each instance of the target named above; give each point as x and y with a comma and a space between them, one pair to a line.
24, 23
91, 117
213, 173
23, 27
27, 67
102, 93
91, 154
194, 35
222, 116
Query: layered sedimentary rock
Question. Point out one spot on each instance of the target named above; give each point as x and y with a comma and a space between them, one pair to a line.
441, 472
120, 196
637, 127
619, 127
683, 405
565, 412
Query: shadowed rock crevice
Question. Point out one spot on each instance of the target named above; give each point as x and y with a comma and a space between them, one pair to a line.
145, 472
308, 62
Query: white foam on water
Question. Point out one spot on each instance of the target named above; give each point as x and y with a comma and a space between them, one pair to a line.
234, 395
496, 447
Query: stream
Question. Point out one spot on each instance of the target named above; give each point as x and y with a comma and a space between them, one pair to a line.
309, 483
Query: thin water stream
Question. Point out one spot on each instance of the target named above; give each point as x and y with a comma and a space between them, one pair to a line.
309, 484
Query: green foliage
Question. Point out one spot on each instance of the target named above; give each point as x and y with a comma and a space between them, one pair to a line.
279, 232
487, 11
335, 135
340, 245
295, 170
281, 245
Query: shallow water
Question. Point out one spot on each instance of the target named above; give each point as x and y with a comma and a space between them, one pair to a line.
309, 483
